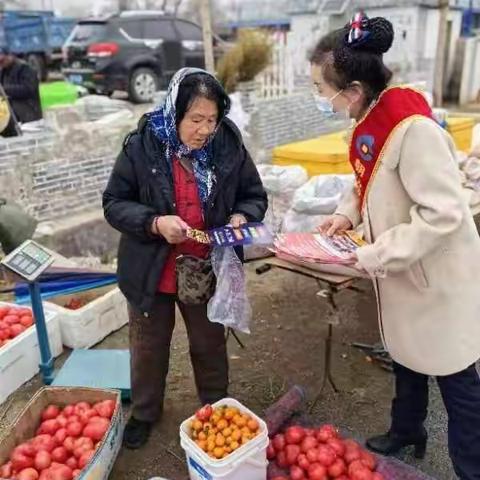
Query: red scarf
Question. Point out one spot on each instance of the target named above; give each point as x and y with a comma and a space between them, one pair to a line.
372, 135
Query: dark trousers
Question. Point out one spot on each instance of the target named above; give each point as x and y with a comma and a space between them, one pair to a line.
150, 339
461, 396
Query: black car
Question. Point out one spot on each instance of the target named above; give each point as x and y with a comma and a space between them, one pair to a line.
134, 52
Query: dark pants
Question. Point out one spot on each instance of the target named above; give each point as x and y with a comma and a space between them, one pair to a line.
150, 339
461, 396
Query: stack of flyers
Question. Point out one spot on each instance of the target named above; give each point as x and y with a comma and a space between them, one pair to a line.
248, 234
318, 248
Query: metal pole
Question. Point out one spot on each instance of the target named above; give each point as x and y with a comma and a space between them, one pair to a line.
207, 35
440, 54
46, 359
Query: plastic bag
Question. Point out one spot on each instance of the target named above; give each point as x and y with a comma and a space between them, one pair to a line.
281, 183
321, 195
229, 305
301, 222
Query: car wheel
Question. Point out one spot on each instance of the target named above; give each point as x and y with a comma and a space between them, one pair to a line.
143, 84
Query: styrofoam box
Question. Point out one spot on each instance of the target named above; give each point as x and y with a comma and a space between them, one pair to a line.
248, 462
24, 426
20, 357
105, 312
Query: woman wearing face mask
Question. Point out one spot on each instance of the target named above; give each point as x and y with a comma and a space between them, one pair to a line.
184, 167
424, 250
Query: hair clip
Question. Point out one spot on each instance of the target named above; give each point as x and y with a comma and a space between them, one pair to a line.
358, 29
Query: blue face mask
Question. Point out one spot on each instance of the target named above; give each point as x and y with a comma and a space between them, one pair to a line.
325, 104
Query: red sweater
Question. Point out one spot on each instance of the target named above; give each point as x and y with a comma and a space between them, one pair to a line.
189, 209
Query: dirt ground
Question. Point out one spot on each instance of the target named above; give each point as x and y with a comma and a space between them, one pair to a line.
285, 348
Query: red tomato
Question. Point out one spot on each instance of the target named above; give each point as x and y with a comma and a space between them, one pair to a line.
303, 462
60, 455
68, 410
42, 460
352, 455
26, 448
338, 468
81, 407
83, 442
361, 474
279, 442
28, 474
96, 430
76, 473
280, 478
355, 465
74, 429
49, 426
308, 443
69, 444
60, 436
326, 432
51, 412
16, 330
378, 476
62, 421
296, 473
73, 419
271, 453
317, 472
6, 470
368, 460
45, 475
309, 432
84, 460
312, 455
294, 435
26, 321
72, 463
62, 472
11, 319
87, 415
21, 461
3, 311
106, 408
4, 334
292, 452
44, 442
282, 459
349, 444
337, 446
326, 455
203, 414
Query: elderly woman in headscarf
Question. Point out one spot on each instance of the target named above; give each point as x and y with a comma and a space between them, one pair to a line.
185, 167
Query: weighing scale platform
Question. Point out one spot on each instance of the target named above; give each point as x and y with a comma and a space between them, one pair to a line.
97, 369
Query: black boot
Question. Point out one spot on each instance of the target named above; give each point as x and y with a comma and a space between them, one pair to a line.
391, 443
136, 433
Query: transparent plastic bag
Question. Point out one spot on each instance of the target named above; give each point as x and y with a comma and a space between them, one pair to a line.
229, 305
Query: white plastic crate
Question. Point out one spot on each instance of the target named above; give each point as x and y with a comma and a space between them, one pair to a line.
248, 462
104, 313
20, 357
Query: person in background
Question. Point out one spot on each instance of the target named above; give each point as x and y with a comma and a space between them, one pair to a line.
424, 251
184, 167
20, 84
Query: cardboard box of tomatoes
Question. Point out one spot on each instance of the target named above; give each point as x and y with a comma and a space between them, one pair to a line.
64, 434
19, 352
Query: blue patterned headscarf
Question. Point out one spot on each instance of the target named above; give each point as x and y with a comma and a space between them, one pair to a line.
163, 122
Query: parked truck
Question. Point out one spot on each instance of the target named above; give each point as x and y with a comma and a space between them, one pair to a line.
36, 36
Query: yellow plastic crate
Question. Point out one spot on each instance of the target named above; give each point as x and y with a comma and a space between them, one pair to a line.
323, 155
461, 130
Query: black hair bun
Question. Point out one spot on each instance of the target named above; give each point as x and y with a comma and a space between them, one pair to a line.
378, 37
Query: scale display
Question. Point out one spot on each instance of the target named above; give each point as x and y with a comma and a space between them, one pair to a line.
29, 260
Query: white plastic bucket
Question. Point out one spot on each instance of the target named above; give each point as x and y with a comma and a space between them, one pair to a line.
248, 462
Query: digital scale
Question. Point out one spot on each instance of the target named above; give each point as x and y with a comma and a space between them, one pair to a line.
107, 369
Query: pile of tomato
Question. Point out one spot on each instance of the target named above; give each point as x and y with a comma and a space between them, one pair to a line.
222, 430
13, 322
320, 454
65, 442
